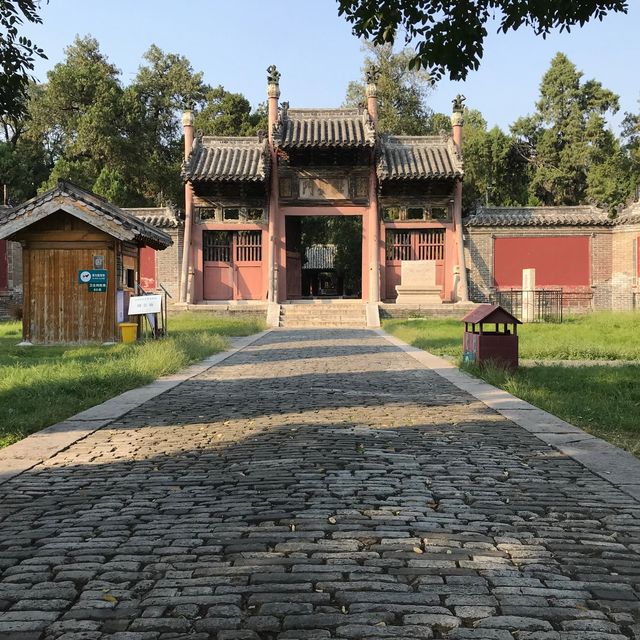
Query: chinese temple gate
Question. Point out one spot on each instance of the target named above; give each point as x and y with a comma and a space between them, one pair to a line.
243, 196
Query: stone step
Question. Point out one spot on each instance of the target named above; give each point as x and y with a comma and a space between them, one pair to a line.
347, 315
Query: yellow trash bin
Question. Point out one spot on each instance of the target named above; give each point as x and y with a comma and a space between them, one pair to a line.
128, 331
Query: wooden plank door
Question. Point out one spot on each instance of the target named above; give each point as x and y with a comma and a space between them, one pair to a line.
62, 310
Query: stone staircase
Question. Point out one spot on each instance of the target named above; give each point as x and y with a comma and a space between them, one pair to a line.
323, 314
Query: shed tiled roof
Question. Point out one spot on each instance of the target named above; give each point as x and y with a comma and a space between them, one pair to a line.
87, 206
420, 157
161, 217
578, 216
227, 159
324, 128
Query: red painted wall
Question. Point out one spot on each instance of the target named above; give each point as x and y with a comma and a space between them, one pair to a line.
562, 261
638, 256
148, 269
4, 275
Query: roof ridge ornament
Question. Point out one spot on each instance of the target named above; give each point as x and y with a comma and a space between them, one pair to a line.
273, 75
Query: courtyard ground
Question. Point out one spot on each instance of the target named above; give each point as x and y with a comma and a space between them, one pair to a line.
322, 484
40, 386
600, 393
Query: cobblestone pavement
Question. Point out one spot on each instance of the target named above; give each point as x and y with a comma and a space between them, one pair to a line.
318, 484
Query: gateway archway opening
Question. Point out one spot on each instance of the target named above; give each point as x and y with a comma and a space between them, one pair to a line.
324, 257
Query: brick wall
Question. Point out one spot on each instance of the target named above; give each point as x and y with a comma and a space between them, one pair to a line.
169, 261
479, 255
624, 267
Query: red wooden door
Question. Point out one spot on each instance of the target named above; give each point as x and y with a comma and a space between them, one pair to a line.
412, 244
247, 251
218, 269
148, 269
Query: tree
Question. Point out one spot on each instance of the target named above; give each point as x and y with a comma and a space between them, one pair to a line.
402, 92
229, 114
449, 34
17, 55
631, 145
495, 173
163, 88
567, 141
78, 116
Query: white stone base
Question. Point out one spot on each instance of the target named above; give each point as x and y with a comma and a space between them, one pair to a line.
418, 295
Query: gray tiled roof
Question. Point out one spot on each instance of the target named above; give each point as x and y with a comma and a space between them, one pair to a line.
88, 206
577, 216
325, 128
162, 217
630, 215
227, 159
420, 157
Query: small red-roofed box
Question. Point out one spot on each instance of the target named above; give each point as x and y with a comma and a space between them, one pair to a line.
490, 335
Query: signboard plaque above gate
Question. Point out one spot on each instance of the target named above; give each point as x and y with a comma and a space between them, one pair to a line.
316, 188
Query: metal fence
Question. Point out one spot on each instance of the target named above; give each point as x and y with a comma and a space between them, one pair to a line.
545, 305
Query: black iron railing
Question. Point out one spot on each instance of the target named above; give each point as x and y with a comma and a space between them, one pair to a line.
541, 305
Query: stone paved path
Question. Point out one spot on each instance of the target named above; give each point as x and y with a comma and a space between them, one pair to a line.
318, 484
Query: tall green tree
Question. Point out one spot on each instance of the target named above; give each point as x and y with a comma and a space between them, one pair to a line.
163, 88
402, 92
449, 34
78, 116
225, 113
567, 140
495, 172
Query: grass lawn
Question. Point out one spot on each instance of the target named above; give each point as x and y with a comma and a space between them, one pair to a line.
596, 336
40, 386
603, 400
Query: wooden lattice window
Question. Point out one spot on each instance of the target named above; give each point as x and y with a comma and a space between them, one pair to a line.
216, 246
415, 244
399, 245
248, 246
430, 244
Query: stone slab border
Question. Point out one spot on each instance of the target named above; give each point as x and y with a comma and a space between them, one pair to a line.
609, 462
42, 445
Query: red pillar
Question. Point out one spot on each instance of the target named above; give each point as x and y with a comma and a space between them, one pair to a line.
274, 267
372, 234
186, 275
457, 121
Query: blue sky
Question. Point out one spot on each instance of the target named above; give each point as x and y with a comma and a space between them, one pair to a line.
234, 42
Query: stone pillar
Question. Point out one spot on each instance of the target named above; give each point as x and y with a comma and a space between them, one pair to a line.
187, 268
273, 94
528, 295
457, 120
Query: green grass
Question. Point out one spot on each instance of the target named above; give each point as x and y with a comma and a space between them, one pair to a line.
40, 386
602, 400
597, 336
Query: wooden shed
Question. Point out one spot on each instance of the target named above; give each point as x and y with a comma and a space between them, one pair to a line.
81, 257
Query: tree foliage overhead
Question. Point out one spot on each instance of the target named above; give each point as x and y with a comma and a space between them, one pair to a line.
17, 54
449, 34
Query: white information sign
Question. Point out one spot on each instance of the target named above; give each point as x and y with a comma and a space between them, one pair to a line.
140, 305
